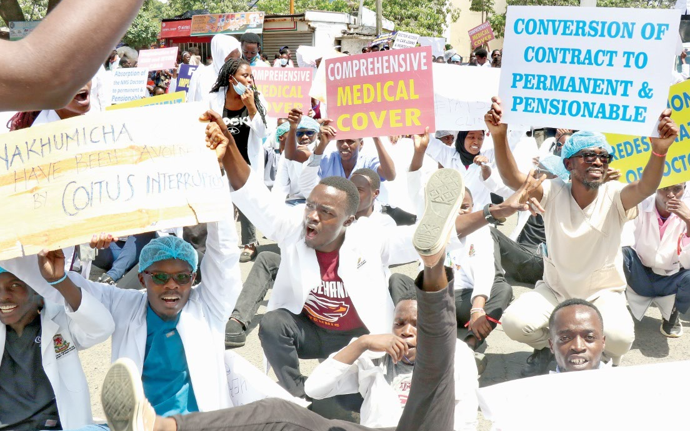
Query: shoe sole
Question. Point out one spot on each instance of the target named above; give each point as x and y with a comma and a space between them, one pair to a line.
671, 335
443, 197
234, 344
122, 398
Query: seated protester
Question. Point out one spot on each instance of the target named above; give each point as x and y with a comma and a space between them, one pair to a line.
42, 383
658, 264
263, 274
121, 256
446, 136
430, 405
369, 365
583, 221
323, 294
171, 330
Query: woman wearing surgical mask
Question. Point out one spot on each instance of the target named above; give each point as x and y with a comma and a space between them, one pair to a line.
283, 60
244, 112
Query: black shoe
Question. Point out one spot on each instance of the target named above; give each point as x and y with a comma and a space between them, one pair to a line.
672, 328
235, 335
106, 279
537, 363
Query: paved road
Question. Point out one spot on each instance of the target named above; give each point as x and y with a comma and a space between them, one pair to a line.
505, 357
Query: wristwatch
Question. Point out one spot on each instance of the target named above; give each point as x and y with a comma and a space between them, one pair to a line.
489, 218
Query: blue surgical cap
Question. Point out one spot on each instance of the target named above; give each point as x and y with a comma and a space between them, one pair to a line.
309, 123
554, 165
2, 270
281, 130
581, 140
167, 247
455, 58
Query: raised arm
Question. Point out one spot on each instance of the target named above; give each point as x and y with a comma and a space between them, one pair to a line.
292, 151
386, 168
505, 162
639, 190
43, 73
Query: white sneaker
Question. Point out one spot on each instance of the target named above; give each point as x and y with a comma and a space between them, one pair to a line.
125, 406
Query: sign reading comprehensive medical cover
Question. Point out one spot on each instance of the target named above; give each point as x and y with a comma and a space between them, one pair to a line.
381, 94
631, 153
107, 172
481, 34
567, 67
284, 88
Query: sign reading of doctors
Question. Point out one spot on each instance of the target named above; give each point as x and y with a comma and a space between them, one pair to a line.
567, 67
631, 153
108, 172
128, 85
381, 94
284, 88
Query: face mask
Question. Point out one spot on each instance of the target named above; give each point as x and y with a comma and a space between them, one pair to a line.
239, 87
283, 62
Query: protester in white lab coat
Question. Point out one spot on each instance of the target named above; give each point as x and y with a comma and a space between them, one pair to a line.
223, 48
368, 366
189, 375
42, 383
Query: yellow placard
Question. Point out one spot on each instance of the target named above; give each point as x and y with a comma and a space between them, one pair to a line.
631, 153
122, 172
163, 99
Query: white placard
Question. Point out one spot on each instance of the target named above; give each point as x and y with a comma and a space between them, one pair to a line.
462, 95
405, 40
437, 44
128, 85
567, 67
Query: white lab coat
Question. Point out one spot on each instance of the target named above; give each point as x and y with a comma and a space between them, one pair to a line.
366, 253
381, 407
202, 320
64, 332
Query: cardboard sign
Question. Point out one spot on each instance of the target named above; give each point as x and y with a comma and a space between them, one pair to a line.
565, 67
107, 172
185, 75
405, 40
227, 23
284, 88
462, 95
163, 99
21, 29
381, 94
157, 59
128, 85
631, 153
170, 29
481, 34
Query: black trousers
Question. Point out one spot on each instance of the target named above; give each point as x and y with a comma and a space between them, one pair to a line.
259, 280
286, 338
521, 263
401, 217
430, 406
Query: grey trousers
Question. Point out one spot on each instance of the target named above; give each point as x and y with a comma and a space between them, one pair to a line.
430, 406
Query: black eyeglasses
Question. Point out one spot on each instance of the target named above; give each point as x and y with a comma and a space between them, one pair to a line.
162, 278
605, 158
309, 133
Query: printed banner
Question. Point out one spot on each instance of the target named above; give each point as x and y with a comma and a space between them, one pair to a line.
481, 35
185, 75
381, 94
405, 40
21, 29
227, 23
568, 68
107, 172
462, 96
163, 99
157, 59
128, 85
170, 29
631, 153
284, 88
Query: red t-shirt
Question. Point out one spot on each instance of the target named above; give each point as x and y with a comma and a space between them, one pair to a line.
328, 305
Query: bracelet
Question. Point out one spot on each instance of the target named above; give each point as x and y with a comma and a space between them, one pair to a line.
477, 310
659, 155
58, 281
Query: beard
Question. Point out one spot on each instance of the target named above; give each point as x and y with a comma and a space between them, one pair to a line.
592, 185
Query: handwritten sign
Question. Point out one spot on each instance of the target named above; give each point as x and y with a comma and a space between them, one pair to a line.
462, 95
631, 153
284, 88
185, 75
381, 94
481, 34
157, 59
128, 85
608, 72
107, 172
163, 99
227, 23
405, 40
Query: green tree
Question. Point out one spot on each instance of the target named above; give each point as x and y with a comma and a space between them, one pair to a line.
145, 27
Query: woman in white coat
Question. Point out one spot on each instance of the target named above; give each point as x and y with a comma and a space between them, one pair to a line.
223, 48
42, 383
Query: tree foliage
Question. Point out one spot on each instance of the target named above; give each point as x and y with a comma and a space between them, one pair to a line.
498, 21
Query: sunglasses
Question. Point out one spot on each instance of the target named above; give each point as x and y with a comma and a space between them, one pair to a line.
309, 133
605, 158
162, 278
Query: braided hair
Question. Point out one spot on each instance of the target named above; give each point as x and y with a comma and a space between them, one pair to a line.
229, 69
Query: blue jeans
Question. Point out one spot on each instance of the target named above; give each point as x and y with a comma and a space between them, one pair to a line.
121, 256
